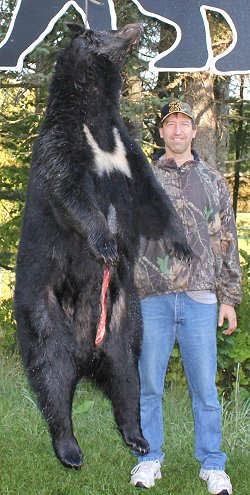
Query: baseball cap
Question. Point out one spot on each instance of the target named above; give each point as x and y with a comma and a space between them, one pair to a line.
176, 106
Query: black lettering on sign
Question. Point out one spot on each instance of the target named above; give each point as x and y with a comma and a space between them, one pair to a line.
192, 49
33, 19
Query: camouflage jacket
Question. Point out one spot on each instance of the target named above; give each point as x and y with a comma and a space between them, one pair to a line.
202, 198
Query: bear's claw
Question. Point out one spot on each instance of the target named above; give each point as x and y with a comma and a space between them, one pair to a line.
105, 251
180, 249
138, 444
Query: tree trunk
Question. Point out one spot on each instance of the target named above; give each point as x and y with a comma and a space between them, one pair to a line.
239, 141
221, 94
199, 93
134, 97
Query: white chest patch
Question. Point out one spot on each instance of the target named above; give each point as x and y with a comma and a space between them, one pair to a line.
108, 161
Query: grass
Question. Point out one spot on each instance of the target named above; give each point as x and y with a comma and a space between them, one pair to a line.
28, 465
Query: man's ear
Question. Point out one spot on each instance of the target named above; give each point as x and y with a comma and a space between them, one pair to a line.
194, 131
161, 132
76, 29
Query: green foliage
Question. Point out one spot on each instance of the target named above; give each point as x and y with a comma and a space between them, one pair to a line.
233, 364
234, 350
175, 373
244, 308
7, 326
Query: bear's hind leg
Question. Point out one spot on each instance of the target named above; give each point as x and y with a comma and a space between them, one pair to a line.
119, 379
47, 347
117, 371
54, 380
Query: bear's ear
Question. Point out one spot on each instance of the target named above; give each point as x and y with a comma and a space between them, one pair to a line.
76, 29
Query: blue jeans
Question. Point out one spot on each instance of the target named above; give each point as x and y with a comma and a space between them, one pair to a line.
165, 319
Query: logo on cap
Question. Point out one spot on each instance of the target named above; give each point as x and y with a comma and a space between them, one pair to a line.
174, 106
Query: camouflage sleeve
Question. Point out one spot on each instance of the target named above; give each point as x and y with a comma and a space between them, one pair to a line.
229, 279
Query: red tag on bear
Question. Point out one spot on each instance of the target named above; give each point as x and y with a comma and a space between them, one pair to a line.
102, 322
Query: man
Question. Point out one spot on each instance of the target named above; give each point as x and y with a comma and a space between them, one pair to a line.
179, 300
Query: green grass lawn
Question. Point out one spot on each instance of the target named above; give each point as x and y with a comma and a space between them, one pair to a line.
28, 465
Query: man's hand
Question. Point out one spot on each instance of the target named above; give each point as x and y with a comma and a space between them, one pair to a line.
227, 312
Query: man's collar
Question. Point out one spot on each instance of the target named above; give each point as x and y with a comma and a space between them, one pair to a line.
164, 163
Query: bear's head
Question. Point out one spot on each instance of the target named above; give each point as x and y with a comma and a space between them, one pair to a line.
88, 68
112, 45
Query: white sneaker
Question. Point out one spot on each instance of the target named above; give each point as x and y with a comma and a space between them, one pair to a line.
218, 482
145, 473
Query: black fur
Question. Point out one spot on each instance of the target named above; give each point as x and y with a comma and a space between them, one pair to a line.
67, 238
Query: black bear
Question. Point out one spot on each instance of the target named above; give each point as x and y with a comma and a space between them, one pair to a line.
91, 194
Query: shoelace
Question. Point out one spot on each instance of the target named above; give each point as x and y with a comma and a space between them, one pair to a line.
143, 466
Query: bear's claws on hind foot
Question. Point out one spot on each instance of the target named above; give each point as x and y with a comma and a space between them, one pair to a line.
69, 453
141, 449
138, 445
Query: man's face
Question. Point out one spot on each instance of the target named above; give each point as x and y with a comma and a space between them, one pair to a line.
177, 132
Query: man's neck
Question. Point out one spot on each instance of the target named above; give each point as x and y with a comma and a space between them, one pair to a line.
179, 158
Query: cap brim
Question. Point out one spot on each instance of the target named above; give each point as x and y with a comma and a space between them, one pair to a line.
170, 113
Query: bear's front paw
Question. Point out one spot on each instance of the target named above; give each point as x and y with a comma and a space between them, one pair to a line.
178, 248
182, 250
105, 250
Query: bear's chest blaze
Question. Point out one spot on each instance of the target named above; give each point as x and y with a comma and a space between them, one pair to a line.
108, 161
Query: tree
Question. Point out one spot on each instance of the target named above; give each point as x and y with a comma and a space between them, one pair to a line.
241, 138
